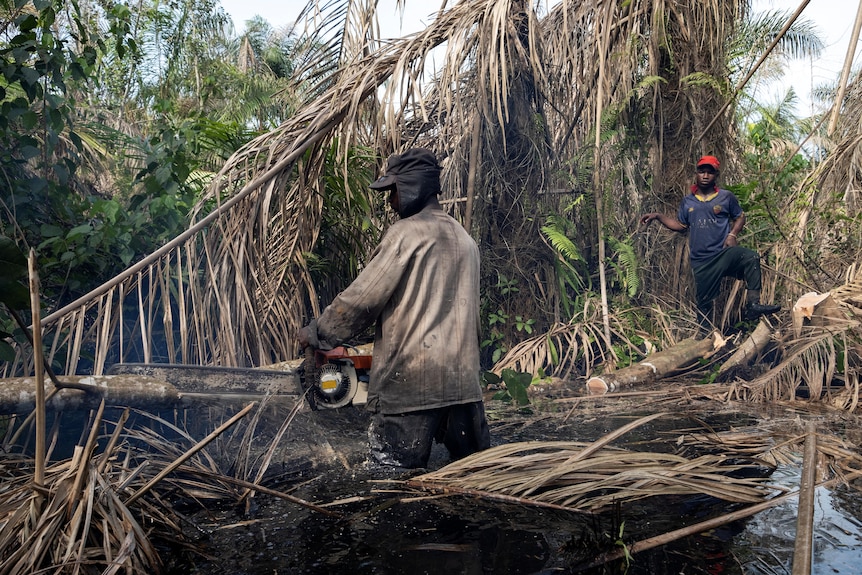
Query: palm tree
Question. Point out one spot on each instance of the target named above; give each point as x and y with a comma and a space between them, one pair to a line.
519, 108
512, 102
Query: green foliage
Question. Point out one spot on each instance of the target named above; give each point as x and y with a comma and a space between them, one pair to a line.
83, 235
619, 541
651, 81
570, 266
515, 386
709, 377
499, 321
524, 325
625, 264
506, 286
42, 65
14, 293
772, 177
702, 80
555, 230
495, 340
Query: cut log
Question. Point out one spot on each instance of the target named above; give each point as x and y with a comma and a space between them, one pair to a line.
155, 387
209, 379
18, 394
658, 364
752, 345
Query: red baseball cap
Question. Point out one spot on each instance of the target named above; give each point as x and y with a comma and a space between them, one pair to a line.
709, 161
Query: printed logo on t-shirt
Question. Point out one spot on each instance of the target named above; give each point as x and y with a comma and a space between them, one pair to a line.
716, 209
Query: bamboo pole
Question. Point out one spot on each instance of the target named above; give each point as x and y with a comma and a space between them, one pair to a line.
598, 189
471, 174
39, 369
804, 545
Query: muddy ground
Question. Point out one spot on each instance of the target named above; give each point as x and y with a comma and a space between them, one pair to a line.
386, 527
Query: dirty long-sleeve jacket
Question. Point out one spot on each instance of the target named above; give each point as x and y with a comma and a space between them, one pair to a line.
422, 289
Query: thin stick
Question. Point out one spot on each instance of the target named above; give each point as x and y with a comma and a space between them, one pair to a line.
84, 461
115, 437
188, 454
39, 369
267, 491
805, 514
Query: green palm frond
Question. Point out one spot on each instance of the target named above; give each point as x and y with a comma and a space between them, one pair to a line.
555, 231
700, 79
627, 262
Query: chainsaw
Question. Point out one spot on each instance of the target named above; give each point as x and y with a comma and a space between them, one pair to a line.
335, 378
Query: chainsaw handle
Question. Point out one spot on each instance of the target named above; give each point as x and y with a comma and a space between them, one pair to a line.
309, 353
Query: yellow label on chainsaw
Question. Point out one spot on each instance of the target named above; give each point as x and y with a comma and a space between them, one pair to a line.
327, 384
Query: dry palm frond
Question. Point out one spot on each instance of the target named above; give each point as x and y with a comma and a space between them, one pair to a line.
776, 447
86, 517
850, 293
556, 352
77, 522
575, 347
754, 443
810, 362
589, 477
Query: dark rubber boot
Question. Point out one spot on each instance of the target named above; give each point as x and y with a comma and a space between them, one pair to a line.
755, 310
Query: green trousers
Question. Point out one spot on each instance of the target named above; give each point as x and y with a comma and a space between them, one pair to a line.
738, 262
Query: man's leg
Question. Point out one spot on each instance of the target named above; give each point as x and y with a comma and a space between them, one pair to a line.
740, 263
464, 429
745, 264
403, 439
707, 282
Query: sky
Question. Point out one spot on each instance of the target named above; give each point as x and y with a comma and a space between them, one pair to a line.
833, 19
834, 22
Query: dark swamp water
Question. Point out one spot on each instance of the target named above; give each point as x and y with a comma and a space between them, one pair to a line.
385, 527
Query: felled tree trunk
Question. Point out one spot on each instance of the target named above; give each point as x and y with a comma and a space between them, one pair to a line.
750, 347
18, 394
657, 365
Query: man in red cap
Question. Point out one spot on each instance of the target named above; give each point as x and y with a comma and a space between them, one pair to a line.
421, 290
714, 219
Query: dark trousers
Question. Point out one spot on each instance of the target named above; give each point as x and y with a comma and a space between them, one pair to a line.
737, 262
405, 439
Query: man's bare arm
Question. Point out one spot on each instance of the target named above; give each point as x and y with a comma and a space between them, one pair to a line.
667, 221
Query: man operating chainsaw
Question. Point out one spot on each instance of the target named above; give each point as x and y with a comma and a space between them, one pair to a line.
421, 289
